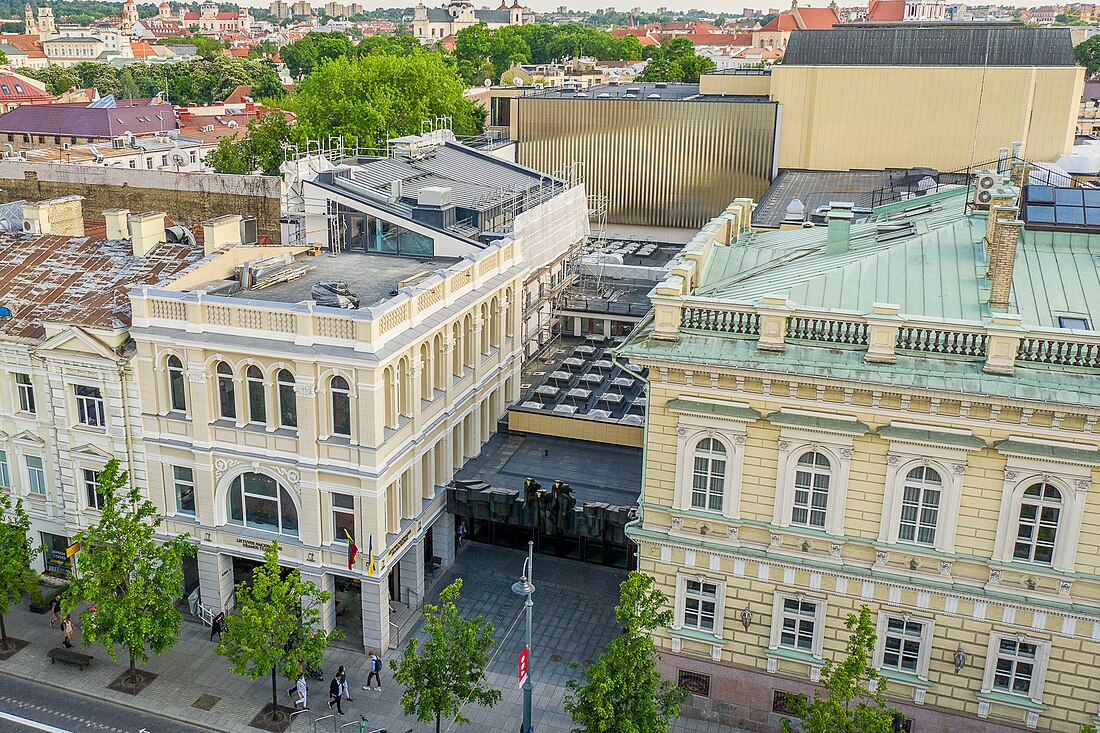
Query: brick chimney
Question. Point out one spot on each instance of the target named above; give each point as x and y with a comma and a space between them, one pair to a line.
1002, 259
1002, 207
63, 217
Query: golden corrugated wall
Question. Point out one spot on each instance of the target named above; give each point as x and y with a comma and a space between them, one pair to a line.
659, 163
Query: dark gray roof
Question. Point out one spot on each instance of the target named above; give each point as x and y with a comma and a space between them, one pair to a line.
439, 15
493, 16
973, 44
819, 188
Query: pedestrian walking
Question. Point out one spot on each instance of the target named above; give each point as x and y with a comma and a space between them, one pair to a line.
460, 533
55, 610
375, 672
335, 693
67, 631
302, 691
216, 626
343, 675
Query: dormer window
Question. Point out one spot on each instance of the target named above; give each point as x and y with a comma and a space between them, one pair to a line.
1075, 322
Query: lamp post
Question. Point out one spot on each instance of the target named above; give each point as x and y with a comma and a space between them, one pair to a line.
525, 588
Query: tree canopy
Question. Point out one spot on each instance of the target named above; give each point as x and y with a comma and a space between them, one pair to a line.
17, 552
623, 692
448, 670
260, 148
675, 61
277, 627
127, 575
1087, 54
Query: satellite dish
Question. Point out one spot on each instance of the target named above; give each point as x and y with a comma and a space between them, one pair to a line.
517, 81
488, 83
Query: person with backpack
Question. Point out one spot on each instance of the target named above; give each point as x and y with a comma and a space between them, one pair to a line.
67, 631
375, 672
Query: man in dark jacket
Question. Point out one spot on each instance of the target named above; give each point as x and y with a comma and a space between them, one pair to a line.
335, 691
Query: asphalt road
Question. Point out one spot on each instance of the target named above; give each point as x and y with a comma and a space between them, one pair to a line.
26, 707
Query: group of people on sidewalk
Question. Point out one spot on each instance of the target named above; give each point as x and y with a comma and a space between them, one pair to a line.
338, 689
66, 623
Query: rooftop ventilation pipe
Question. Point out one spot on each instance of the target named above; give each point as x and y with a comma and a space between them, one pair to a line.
839, 219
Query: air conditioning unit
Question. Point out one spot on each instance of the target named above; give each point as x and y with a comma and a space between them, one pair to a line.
984, 185
32, 226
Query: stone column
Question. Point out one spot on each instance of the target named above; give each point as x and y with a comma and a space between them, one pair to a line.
412, 574
326, 582
376, 615
443, 539
216, 580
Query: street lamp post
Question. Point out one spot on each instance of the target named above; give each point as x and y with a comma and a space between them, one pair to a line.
526, 588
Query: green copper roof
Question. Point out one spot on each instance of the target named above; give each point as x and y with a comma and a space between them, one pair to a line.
834, 424
1030, 383
936, 271
938, 437
1057, 452
706, 408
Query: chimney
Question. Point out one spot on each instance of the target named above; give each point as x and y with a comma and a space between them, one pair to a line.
118, 223
1002, 162
221, 232
1002, 260
840, 227
1002, 207
1018, 149
146, 232
63, 217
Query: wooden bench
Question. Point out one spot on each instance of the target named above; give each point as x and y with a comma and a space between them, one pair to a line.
71, 656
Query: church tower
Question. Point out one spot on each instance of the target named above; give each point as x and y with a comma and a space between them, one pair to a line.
129, 15
46, 27
30, 27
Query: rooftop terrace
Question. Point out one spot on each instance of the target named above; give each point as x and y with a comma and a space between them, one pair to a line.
645, 91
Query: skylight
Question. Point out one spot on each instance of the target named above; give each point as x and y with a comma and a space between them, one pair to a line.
1054, 207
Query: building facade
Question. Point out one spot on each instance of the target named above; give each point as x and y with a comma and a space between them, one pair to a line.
831, 427
431, 25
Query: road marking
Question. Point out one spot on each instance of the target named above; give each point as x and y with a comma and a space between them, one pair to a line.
31, 723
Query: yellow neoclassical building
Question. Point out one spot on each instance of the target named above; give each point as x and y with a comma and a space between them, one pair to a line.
901, 413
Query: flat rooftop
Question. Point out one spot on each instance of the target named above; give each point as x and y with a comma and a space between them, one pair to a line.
372, 277
646, 91
79, 280
595, 471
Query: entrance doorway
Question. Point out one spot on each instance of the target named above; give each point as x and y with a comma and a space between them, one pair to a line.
395, 582
349, 608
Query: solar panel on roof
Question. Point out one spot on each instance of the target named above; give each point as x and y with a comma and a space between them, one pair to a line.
1041, 214
1039, 194
1069, 215
1068, 197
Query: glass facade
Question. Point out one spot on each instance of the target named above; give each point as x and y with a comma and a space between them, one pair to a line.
362, 232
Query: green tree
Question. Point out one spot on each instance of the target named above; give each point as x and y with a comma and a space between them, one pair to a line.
130, 577
1087, 54
853, 697
58, 80
472, 54
307, 54
507, 48
260, 148
661, 69
277, 627
448, 671
17, 552
623, 692
375, 98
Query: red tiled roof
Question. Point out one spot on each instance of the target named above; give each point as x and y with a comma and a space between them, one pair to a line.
818, 19
18, 90
882, 11
30, 45
448, 42
782, 23
237, 96
142, 50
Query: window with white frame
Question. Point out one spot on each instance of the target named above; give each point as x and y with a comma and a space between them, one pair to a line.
91, 489
343, 517
708, 475
920, 506
811, 490
177, 392
5, 471
183, 479
24, 389
700, 605
227, 398
1015, 666
1037, 530
36, 474
799, 625
288, 405
259, 501
901, 644
89, 406
340, 394
257, 401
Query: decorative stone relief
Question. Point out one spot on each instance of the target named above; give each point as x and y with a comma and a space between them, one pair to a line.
739, 439
307, 389
880, 557
776, 540
196, 375
834, 549
1064, 587
995, 575
945, 567
731, 532
846, 453
1011, 475
960, 468
681, 431
893, 460
221, 465
677, 523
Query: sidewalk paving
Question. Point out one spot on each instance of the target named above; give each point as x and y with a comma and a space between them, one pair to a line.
573, 620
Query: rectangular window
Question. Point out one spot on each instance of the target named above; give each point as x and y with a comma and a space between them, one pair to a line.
91, 489
1077, 322
700, 605
1015, 669
799, 622
343, 517
89, 406
694, 682
5, 471
133, 163
164, 160
25, 390
902, 645
184, 480
36, 475
919, 514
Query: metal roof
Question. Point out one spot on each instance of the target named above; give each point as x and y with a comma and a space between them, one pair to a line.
974, 44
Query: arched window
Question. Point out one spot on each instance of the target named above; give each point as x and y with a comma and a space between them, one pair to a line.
1039, 511
708, 485
341, 406
259, 501
177, 393
227, 397
920, 506
257, 405
811, 490
288, 405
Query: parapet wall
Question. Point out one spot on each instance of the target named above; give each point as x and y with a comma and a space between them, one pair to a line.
188, 198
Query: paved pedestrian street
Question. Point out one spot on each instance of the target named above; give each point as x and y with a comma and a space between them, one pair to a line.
573, 620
